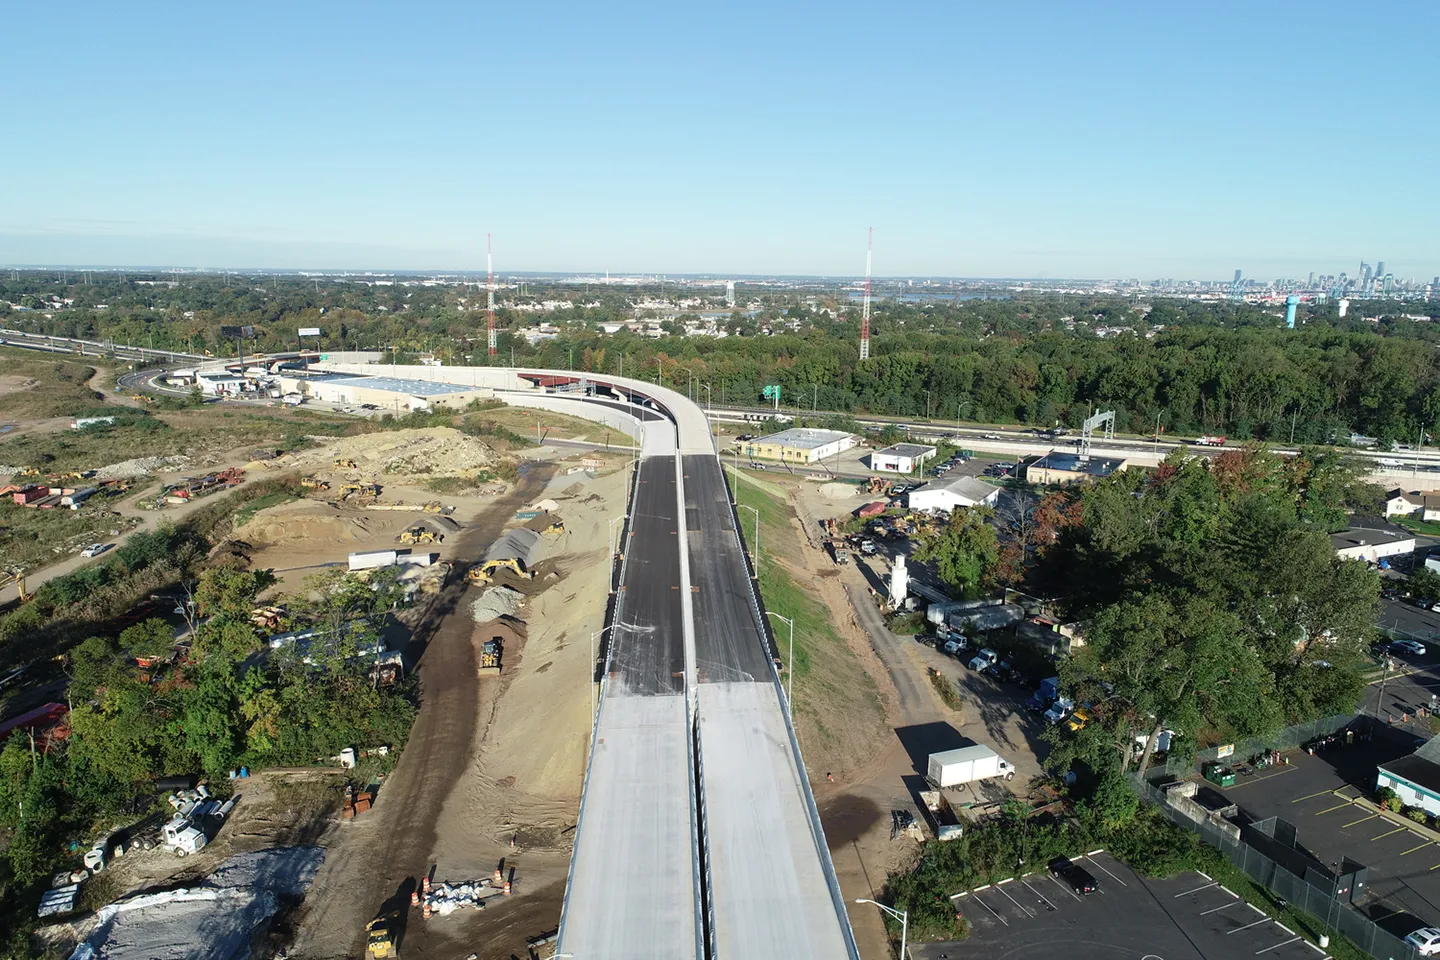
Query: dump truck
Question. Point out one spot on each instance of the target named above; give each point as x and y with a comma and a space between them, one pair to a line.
419, 534
345, 463
314, 483
490, 658
954, 768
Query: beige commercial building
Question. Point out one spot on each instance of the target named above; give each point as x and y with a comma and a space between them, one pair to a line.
395, 394
798, 445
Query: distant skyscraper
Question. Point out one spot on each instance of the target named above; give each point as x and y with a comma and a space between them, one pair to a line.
1310, 284
1237, 276
1379, 269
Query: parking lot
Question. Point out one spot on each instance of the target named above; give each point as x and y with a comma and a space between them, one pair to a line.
1317, 794
1188, 917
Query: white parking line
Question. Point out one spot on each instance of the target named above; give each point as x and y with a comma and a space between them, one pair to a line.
1207, 886
1203, 874
1096, 865
992, 910
1038, 894
1065, 888
1248, 926
1278, 945
1206, 913
1229, 891
1028, 912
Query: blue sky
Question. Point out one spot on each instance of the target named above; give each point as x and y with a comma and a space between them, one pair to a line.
1008, 139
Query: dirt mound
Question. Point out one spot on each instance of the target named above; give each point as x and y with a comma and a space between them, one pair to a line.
433, 451
839, 491
305, 520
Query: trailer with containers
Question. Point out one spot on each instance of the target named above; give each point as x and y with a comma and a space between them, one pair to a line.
954, 768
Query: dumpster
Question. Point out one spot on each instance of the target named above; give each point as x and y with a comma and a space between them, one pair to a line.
1218, 774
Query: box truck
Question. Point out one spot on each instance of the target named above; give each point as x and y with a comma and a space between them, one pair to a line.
967, 765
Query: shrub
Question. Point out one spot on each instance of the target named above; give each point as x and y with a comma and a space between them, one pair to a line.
1416, 814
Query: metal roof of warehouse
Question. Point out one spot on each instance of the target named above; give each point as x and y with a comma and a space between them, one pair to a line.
1096, 466
414, 388
806, 438
911, 450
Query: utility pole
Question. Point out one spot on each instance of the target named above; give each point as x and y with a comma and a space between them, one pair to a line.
865, 304
490, 297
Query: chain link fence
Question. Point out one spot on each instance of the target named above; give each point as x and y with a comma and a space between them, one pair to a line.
1319, 901
1180, 764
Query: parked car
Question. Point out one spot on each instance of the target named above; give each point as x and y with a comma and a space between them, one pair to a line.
1426, 941
1078, 719
1076, 877
95, 549
1413, 647
1059, 710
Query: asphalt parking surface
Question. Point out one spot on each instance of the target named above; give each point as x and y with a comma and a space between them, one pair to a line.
1188, 917
1316, 794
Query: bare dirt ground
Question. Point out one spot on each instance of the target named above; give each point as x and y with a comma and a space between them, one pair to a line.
856, 808
490, 760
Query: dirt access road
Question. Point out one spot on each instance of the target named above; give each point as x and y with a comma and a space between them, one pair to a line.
378, 860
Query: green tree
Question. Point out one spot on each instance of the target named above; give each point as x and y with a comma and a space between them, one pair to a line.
963, 550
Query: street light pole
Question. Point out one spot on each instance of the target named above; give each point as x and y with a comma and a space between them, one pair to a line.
596, 635
790, 663
902, 915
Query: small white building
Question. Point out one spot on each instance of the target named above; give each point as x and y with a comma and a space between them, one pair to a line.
1416, 778
947, 495
1372, 541
1398, 503
1430, 507
901, 458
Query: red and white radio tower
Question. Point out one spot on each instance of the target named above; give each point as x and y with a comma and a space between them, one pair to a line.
865, 307
490, 294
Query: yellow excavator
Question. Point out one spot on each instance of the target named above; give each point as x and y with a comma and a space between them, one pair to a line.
345, 463
484, 572
419, 534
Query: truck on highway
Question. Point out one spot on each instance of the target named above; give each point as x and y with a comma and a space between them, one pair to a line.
954, 768
1210, 441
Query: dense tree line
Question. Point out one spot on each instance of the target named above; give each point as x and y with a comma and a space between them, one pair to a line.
221, 705
1186, 367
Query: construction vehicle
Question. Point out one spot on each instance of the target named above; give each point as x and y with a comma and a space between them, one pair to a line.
555, 527
435, 506
26, 472
314, 483
378, 942
419, 534
484, 572
362, 490
267, 618
345, 463
16, 575
490, 658
877, 487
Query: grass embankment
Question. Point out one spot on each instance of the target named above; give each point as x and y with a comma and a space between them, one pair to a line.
248, 511
836, 702
1419, 526
31, 538
193, 433
34, 387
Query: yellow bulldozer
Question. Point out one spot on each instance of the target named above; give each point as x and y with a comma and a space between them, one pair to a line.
556, 527
314, 483
419, 534
379, 943
484, 572
25, 472
345, 463
361, 490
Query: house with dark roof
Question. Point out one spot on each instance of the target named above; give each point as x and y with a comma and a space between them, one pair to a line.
1416, 778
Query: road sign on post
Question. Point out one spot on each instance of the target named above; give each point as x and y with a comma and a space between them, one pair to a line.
772, 392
